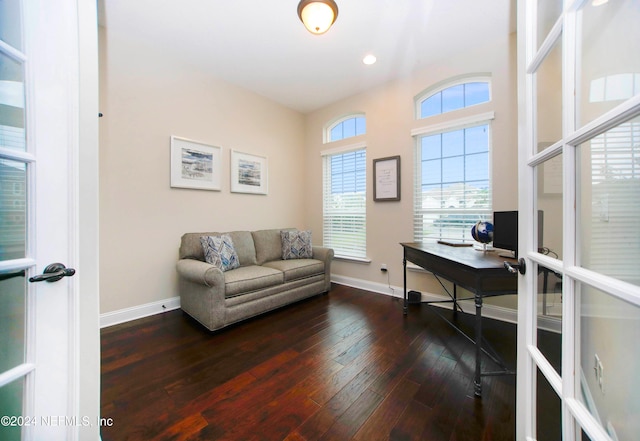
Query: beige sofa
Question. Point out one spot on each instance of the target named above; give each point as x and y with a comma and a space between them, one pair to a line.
262, 282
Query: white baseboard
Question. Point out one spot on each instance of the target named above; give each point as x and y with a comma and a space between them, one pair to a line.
137, 312
468, 306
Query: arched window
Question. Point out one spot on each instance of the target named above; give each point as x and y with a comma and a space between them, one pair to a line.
346, 127
461, 94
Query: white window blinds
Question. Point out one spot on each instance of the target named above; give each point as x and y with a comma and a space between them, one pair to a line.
452, 186
613, 195
344, 203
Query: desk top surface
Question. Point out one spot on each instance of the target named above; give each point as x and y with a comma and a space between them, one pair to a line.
468, 256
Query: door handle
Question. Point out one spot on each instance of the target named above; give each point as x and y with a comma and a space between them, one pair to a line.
519, 267
53, 273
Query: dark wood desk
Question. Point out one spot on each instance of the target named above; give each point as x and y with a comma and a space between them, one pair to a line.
482, 273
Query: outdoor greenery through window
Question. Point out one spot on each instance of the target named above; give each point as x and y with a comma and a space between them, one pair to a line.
344, 203
347, 128
454, 97
453, 187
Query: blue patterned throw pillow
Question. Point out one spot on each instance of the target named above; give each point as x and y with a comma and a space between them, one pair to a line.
219, 252
296, 244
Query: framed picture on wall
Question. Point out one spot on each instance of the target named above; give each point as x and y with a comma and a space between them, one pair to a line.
386, 179
249, 173
195, 164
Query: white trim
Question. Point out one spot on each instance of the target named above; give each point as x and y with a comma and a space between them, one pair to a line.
16, 264
16, 155
616, 288
16, 373
344, 149
488, 311
352, 259
12, 52
454, 124
547, 46
136, 312
605, 122
468, 306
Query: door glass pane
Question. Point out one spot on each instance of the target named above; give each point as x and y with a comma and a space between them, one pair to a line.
609, 186
549, 98
609, 65
548, 13
11, 396
10, 23
549, 203
549, 334
12, 320
12, 134
609, 332
13, 209
548, 411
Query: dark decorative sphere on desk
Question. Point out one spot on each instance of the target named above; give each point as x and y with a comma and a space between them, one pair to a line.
482, 232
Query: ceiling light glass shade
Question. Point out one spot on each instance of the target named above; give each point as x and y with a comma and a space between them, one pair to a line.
317, 15
369, 59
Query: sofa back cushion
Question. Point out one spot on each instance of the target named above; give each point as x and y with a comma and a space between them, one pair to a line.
268, 244
191, 247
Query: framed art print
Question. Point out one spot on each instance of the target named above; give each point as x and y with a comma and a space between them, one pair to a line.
386, 179
249, 173
195, 165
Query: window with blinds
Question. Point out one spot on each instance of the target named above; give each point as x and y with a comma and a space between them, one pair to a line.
344, 203
452, 183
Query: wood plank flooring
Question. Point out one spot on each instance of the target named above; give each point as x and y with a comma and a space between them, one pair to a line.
342, 366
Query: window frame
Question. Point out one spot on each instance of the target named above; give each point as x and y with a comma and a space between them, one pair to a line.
342, 252
434, 129
449, 83
332, 124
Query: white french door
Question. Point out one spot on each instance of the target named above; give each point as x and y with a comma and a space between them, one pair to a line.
579, 163
43, 379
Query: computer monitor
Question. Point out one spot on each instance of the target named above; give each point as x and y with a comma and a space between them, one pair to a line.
505, 230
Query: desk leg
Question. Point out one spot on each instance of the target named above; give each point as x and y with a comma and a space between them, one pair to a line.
455, 299
404, 266
477, 382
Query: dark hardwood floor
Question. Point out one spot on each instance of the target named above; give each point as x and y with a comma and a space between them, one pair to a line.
342, 366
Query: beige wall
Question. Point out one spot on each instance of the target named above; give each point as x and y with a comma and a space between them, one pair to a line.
390, 117
146, 97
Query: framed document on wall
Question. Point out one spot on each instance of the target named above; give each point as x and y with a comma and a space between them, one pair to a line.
386, 179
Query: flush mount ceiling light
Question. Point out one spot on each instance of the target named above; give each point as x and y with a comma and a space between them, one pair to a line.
317, 15
369, 59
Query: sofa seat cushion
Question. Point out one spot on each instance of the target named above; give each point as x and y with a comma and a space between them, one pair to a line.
295, 269
250, 278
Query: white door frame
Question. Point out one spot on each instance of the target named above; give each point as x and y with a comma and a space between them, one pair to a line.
574, 414
62, 363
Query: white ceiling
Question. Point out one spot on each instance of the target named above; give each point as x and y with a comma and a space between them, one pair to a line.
261, 45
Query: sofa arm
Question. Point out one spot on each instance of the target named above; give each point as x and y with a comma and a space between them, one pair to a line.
202, 273
325, 255
201, 288
322, 253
